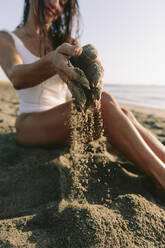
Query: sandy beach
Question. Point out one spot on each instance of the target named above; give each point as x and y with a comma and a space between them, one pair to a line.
123, 208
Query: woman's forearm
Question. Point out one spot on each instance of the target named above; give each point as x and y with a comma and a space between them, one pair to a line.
29, 75
56, 62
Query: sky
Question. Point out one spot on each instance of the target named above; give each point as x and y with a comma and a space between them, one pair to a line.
129, 36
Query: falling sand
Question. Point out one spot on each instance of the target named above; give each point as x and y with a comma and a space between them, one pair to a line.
85, 124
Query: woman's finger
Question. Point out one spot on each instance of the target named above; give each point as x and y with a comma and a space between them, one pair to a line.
81, 78
72, 73
70, 50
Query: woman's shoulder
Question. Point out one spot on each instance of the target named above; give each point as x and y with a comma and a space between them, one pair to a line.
5, 37
4, 34
7, 45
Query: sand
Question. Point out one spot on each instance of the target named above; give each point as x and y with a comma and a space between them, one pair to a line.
123, 208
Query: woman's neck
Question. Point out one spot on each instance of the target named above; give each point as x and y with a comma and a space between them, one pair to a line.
33, 26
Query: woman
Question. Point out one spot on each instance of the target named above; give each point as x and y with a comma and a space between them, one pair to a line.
35, 58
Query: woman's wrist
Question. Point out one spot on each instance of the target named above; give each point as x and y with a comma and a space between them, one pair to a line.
49, 64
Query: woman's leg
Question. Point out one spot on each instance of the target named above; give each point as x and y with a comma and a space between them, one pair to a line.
52, 126
125, 137
44, 128
156, 146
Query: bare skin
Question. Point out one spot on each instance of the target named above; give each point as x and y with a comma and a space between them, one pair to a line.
42, 128
156, 146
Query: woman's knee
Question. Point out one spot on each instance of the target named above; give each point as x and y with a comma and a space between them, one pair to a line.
26, 130
107, 99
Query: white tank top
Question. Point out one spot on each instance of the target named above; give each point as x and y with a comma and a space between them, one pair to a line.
44, 96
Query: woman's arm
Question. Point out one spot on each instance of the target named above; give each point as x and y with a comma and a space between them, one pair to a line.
28, 75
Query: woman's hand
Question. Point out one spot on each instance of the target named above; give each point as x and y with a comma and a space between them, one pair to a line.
88, 62
60, 61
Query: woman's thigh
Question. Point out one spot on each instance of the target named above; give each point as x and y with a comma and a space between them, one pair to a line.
43, 128
53, 126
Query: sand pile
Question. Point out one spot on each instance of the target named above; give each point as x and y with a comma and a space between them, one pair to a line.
122, 207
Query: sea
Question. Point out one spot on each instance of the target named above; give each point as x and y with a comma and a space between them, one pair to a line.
152, 96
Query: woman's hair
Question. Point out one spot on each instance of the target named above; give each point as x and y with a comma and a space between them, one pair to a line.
61, 29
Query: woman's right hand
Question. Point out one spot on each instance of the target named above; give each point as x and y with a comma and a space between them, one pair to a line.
62, 66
